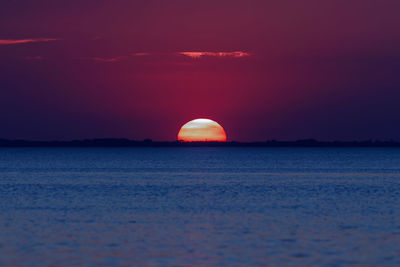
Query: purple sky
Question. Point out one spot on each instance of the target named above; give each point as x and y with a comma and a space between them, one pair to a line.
282, 70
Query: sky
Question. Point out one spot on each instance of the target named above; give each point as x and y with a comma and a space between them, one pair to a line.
284, 70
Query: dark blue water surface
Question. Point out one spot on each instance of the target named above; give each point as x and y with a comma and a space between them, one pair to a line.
199, 206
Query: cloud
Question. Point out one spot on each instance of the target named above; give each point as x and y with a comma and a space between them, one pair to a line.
191, 54
140, 54
107, 60
196, 54
115, 59
24, 41
34, 58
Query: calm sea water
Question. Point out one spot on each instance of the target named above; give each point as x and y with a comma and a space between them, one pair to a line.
199, 206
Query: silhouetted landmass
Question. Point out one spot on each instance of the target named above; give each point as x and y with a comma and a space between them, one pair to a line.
110, 142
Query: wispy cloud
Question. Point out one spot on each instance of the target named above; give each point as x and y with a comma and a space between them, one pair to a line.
191, 54
34, 58
197, 54
115, 59
24, 41
108, 60
140, 54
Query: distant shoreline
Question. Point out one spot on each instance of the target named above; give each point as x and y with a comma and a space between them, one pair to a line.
110, 142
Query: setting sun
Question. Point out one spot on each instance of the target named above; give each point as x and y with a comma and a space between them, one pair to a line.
202, 130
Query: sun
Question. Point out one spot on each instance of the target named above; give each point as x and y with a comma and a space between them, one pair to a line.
202, 130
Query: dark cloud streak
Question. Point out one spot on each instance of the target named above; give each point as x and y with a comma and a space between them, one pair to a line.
24, 41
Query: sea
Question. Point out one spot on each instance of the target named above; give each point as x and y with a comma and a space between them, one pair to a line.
199, 206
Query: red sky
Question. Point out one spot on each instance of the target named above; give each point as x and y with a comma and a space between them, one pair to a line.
141, 69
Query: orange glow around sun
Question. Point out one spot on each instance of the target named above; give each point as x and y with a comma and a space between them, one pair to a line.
202, 130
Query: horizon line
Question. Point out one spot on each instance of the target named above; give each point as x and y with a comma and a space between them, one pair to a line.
124, 142
177, 140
